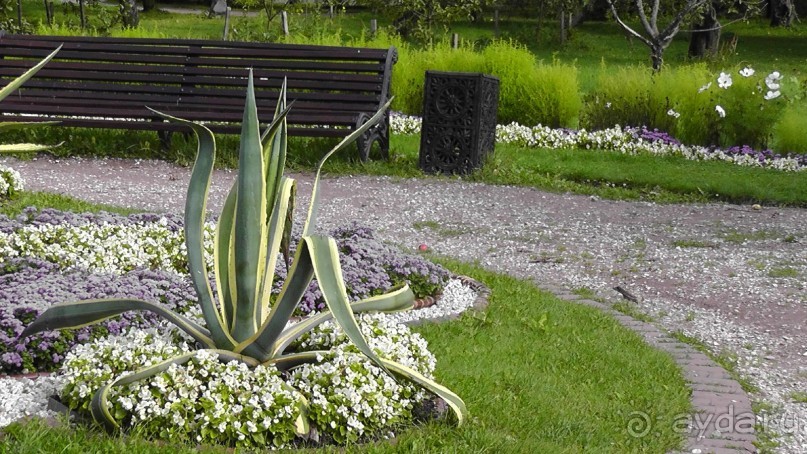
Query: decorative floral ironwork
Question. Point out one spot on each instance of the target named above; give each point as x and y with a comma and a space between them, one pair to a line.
459, 121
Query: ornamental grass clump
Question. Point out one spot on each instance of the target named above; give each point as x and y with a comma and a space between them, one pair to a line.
242, 323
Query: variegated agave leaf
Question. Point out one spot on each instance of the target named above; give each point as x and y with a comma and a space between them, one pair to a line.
4, 126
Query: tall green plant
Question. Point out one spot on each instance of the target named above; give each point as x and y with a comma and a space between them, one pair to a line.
253, 229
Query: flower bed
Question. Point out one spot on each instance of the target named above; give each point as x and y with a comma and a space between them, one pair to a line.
48, 256
206, 401
626, 140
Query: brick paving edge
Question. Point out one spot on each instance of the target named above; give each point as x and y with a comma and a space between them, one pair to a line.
722, 420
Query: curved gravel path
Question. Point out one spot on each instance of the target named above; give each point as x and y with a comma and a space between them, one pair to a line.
734, 277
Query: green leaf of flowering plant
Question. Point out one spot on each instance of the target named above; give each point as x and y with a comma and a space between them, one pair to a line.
99, 406
250, 218
23, 147
78, 314
325, 258
7, 90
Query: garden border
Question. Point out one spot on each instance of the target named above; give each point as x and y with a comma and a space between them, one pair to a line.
715, 394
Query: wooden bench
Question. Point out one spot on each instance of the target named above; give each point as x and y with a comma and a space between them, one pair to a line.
108, 82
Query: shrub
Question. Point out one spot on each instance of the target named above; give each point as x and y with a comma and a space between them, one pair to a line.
621, 96
789, 134
533, 93
749, 116
529, 92
676, 106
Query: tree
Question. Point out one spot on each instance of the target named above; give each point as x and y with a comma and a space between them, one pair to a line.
704, 40
418, 18
657, 40
782, 12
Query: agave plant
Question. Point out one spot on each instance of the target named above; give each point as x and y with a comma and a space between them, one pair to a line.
7, 125
244, 323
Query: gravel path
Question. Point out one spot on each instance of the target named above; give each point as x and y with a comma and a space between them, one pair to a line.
732, 276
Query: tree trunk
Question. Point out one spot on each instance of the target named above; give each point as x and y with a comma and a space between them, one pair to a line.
705, 38
129, 13
562, 17
657, 56
782, 13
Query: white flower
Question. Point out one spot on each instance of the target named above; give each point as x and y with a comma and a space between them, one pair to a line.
772, 95
704, 88
673, 113
720, 111
772, 80
724, 81
747, 71
608, 105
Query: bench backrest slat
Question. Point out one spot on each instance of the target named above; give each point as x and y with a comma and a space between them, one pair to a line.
107, 82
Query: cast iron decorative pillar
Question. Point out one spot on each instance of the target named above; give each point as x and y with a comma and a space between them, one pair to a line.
459, 121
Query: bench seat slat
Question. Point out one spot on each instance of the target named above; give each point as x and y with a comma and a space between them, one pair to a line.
236, 93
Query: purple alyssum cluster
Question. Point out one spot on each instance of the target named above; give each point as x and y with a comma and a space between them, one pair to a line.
28, 286
370, 268
767, 155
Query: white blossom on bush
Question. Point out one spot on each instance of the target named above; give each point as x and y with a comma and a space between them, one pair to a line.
10, 182
724, 80
203, 400
349, 395
104, 248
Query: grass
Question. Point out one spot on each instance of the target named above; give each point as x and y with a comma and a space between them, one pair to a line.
608, 175
16, 205
783, 271
693, 244
538, 375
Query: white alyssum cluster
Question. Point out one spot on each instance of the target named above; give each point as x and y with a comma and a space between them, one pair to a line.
201, 400
350, 396
89, 366
105, 248
26, 397
617, 139
10, 181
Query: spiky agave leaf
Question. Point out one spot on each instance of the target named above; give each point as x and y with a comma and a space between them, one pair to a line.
78, 314
16, 83
195, 210
7, 90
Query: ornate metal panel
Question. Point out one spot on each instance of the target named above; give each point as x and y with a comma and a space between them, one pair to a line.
459, 121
